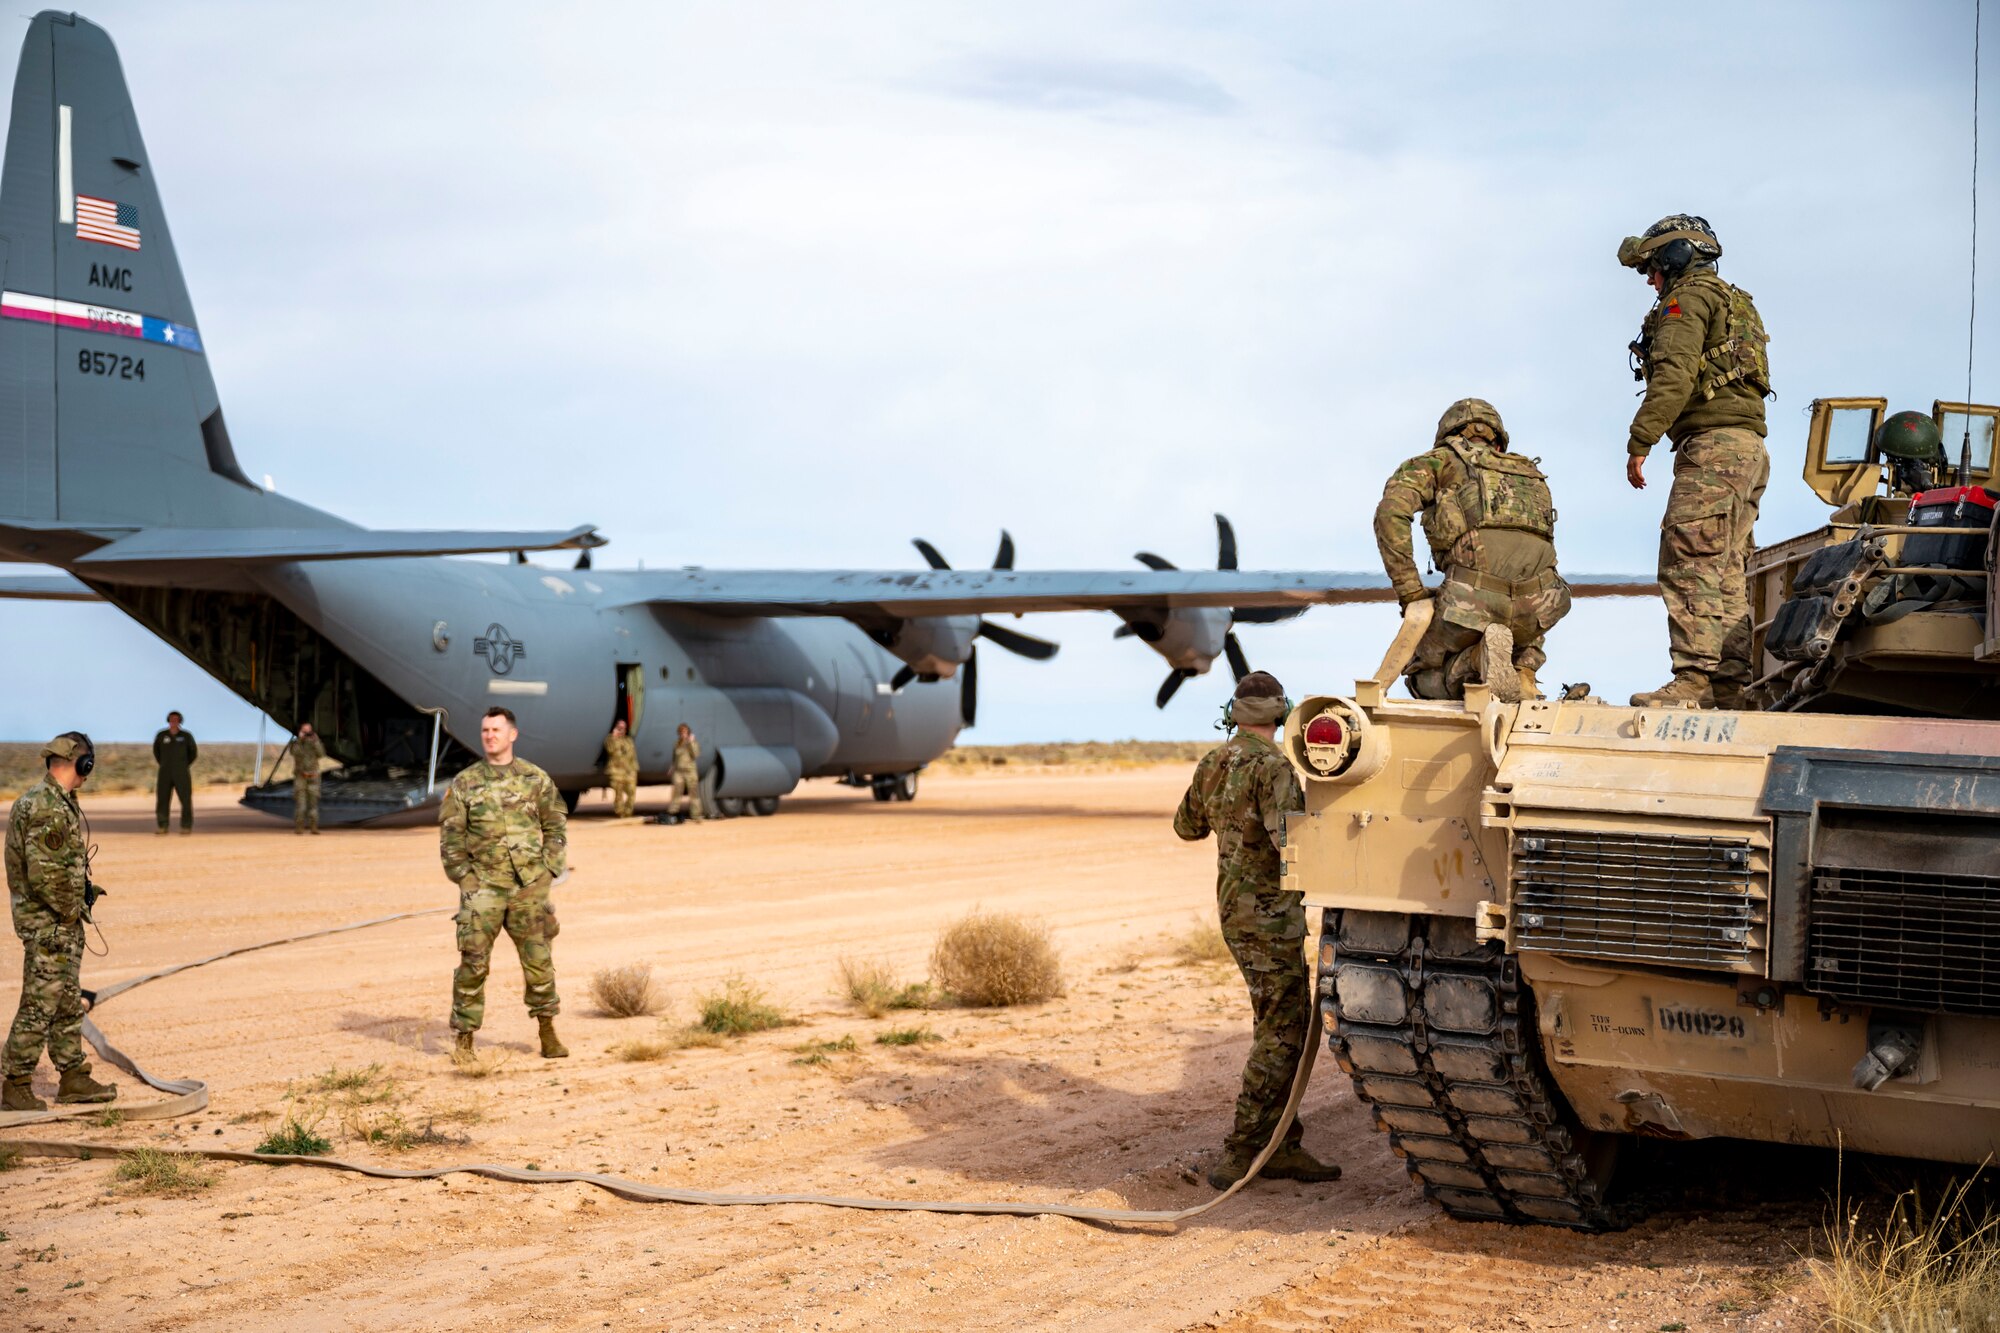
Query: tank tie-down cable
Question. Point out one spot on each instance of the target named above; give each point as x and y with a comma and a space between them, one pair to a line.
191, 1095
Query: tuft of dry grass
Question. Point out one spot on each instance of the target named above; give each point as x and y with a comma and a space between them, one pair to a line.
390, 1129
907, 1037
296, 1138
626, 992
995, 958
642, 1051
1201, 945
822, 1052
1913, 1271
873, 989
740, 1007
364, 1085
10, 1157
174, 1174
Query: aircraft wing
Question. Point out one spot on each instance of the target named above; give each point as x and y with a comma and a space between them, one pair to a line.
870, 596
273, 545
45, 588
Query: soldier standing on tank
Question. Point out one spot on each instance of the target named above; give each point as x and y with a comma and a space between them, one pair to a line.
306, 754
502, 835
686, 775
1701, 353
1241, 792
621, 766
48, 878
1490, 524
175, 752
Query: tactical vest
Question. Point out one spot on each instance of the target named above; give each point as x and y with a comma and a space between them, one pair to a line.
1499, 490
1741, 356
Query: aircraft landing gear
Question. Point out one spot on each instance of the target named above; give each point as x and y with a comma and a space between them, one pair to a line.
728, 807
895, 786
569, 800
764, 805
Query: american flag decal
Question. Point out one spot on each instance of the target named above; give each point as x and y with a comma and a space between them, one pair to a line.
107, 222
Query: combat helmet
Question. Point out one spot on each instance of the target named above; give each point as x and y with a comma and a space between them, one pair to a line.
1465, 412
1909, 443
1671, 244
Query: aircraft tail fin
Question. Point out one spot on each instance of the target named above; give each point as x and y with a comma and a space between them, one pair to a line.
111, 415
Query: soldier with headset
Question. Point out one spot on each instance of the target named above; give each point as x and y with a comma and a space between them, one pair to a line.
49, 890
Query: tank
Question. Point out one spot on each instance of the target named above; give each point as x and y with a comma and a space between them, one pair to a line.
1555, 925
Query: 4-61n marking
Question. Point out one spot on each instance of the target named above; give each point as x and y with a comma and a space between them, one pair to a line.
111, 363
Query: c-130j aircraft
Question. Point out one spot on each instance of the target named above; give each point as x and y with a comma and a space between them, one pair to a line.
116, 467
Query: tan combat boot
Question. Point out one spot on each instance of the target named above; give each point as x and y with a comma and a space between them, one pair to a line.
78, 1086
1530, 688
461, 1054
1229, 1170
1295, 1163
552, 1049
18, 1094
1687, 687
1496, 664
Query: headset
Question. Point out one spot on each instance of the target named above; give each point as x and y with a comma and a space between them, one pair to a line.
86, 763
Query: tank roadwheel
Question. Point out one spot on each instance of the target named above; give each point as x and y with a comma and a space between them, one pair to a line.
906, 786
765, 805
570, 800
1438, 1034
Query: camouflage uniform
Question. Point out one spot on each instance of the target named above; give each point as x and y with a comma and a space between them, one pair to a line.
46, 870
1241, 792
621, 766
502, 837
175, 752
306, 754
1712, 409
687, 780
1489, 523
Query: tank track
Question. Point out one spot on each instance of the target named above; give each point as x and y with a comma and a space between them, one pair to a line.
1438, 1034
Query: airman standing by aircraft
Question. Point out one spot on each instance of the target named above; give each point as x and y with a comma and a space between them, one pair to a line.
175, 752
503, 834
1241, 792
1701, 353
306, 754
48, 887
621, 766
687, 775
1490, 523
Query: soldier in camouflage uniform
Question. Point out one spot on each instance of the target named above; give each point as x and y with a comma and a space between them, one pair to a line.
687, 776
306, 754
502, 834
1701, 353
621, 766
1241, 792
48, 871
1490, 524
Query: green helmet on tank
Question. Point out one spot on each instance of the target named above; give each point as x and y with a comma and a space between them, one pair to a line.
1466, 412
1911, 435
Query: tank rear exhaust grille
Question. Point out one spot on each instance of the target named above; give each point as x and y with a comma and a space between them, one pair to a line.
1918, 940
1670, 901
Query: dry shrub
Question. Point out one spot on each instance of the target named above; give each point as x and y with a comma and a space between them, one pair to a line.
907, 1037
296, 1138
1200, 945
171, 1173
873, 989
389, 1129
994, 958
740, 1007
10, 1157
1915, 1272
641, 1051
367, 1085
626, 992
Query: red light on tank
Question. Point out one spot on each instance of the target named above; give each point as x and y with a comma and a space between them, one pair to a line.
1324, 730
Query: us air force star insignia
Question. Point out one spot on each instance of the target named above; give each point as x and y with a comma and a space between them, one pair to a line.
499, 651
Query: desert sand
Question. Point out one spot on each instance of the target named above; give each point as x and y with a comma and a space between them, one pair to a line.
1118, 1093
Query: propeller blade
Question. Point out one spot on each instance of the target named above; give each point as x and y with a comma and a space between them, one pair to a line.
1265, 615
1238, 663
1005, 558
1123, 632
520, 557
582, 560
930, 554
902, 678
1151, 561
1169, 685
1027, 645
968, 689
1225, 544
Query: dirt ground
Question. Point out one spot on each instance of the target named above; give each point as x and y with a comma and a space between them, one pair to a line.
1117, 1094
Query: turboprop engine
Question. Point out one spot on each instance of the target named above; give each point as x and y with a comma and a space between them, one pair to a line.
934, 647
1191, 638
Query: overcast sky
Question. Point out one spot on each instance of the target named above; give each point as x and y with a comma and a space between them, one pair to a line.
787, 285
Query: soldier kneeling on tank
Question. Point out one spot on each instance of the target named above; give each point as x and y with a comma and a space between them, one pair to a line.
1490, 523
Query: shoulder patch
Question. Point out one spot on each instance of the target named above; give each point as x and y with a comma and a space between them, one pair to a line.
1674, 309
54, 840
